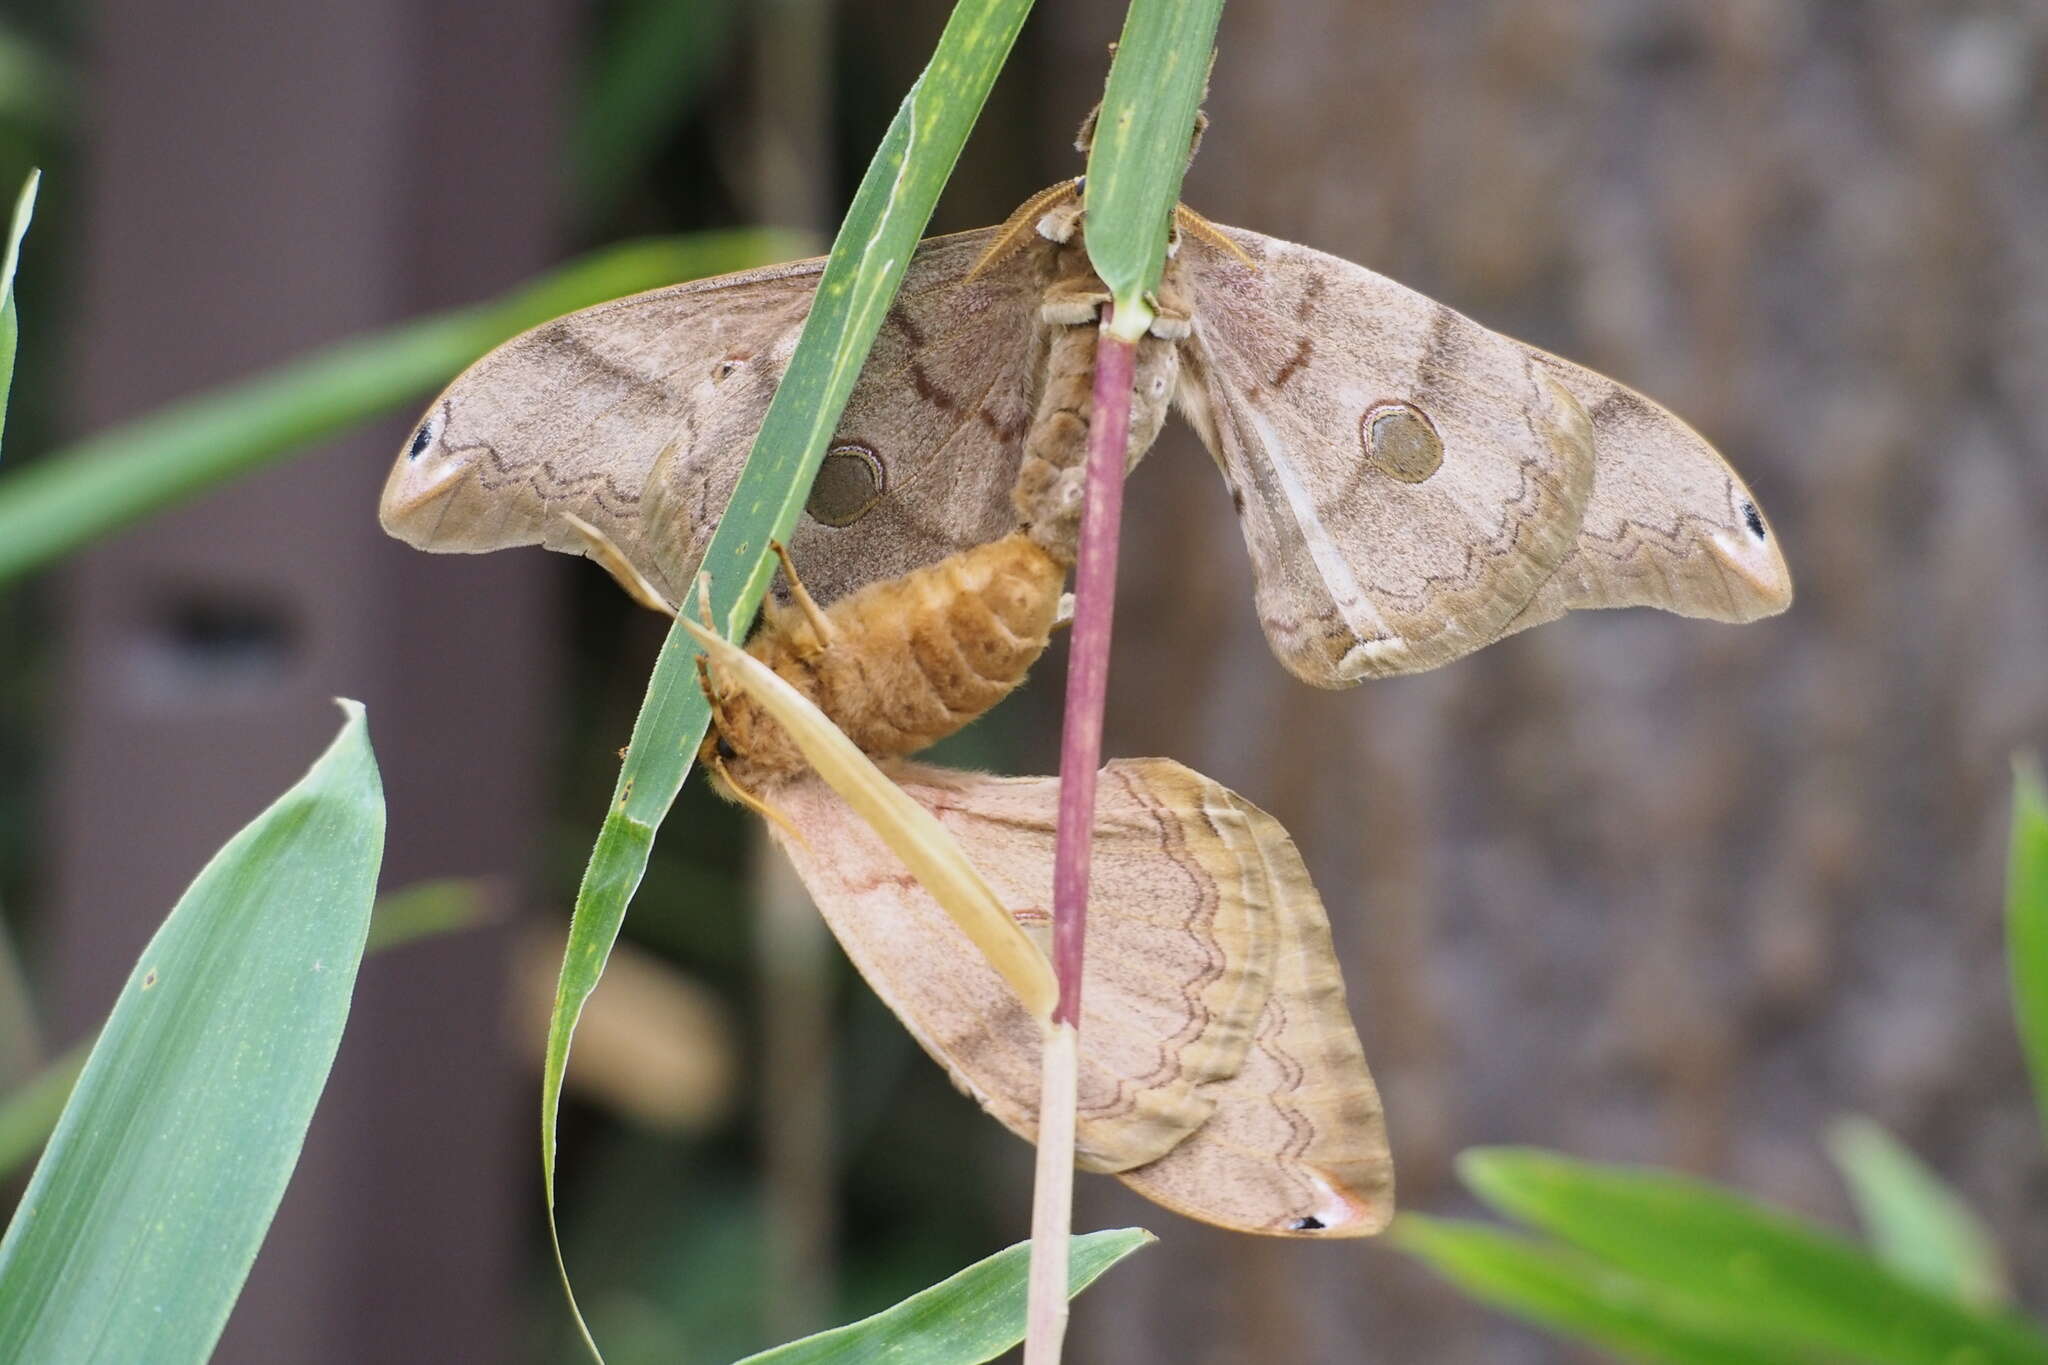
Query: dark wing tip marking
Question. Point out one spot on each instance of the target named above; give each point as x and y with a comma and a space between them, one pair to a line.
1308, 1224
1754, 520
421, 439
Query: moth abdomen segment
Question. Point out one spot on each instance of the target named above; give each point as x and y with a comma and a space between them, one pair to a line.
904, 662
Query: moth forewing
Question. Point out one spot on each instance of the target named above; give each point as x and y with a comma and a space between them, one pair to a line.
1406, 480
637, 415
1220, 1074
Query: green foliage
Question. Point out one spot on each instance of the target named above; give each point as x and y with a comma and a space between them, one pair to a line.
155, 1191
1576, 1294
30, 1111
869, 256
1140, 150
974, 1316
1743, 1264
649, 65
76, 495
10, 321
1914, 1222
1661, 1267
2026, 924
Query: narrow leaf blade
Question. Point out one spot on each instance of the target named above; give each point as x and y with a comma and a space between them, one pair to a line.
157, 1187
10, 319
869, 256
1915, 1223
1574, 1295
2026, 924
1756, 1267
1141, 147
974, 1316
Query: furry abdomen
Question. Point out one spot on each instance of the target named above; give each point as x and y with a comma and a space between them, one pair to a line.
907, 662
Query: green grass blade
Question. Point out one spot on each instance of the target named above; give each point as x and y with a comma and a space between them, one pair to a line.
115, 477
1914, 1222
2026, 924
1575, 1295
10, 320
648, 66
445, 905
970, 1317
30, 1110
1757, 1269
1141, 147
869, 256
155, 1191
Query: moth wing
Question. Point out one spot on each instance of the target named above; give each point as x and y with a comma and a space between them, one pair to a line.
1670, 524
1199, 909
636, 416
1298, 1143
1178, 967
1406, 479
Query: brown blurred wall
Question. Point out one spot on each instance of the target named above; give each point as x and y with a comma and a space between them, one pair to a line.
263, 180
1635, 887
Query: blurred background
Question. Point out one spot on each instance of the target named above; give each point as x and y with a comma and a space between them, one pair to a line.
1629, 886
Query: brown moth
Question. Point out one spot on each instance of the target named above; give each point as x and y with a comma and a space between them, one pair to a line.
1411, 485
1221, 1075
1220, 1072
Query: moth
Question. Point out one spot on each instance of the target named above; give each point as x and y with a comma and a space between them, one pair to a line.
1220, 1075
1411, 486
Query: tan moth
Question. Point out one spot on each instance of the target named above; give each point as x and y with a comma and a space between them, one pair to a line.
1411, 485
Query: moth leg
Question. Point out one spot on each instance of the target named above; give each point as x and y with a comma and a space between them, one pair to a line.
711, 695
821, 624
704, 679
755, 803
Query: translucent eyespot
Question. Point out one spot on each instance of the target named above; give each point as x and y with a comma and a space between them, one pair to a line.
1401, 441
849, 483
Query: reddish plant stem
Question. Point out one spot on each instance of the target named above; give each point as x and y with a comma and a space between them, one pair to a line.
1109, 435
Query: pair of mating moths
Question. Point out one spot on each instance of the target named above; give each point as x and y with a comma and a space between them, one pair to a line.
1411, 485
